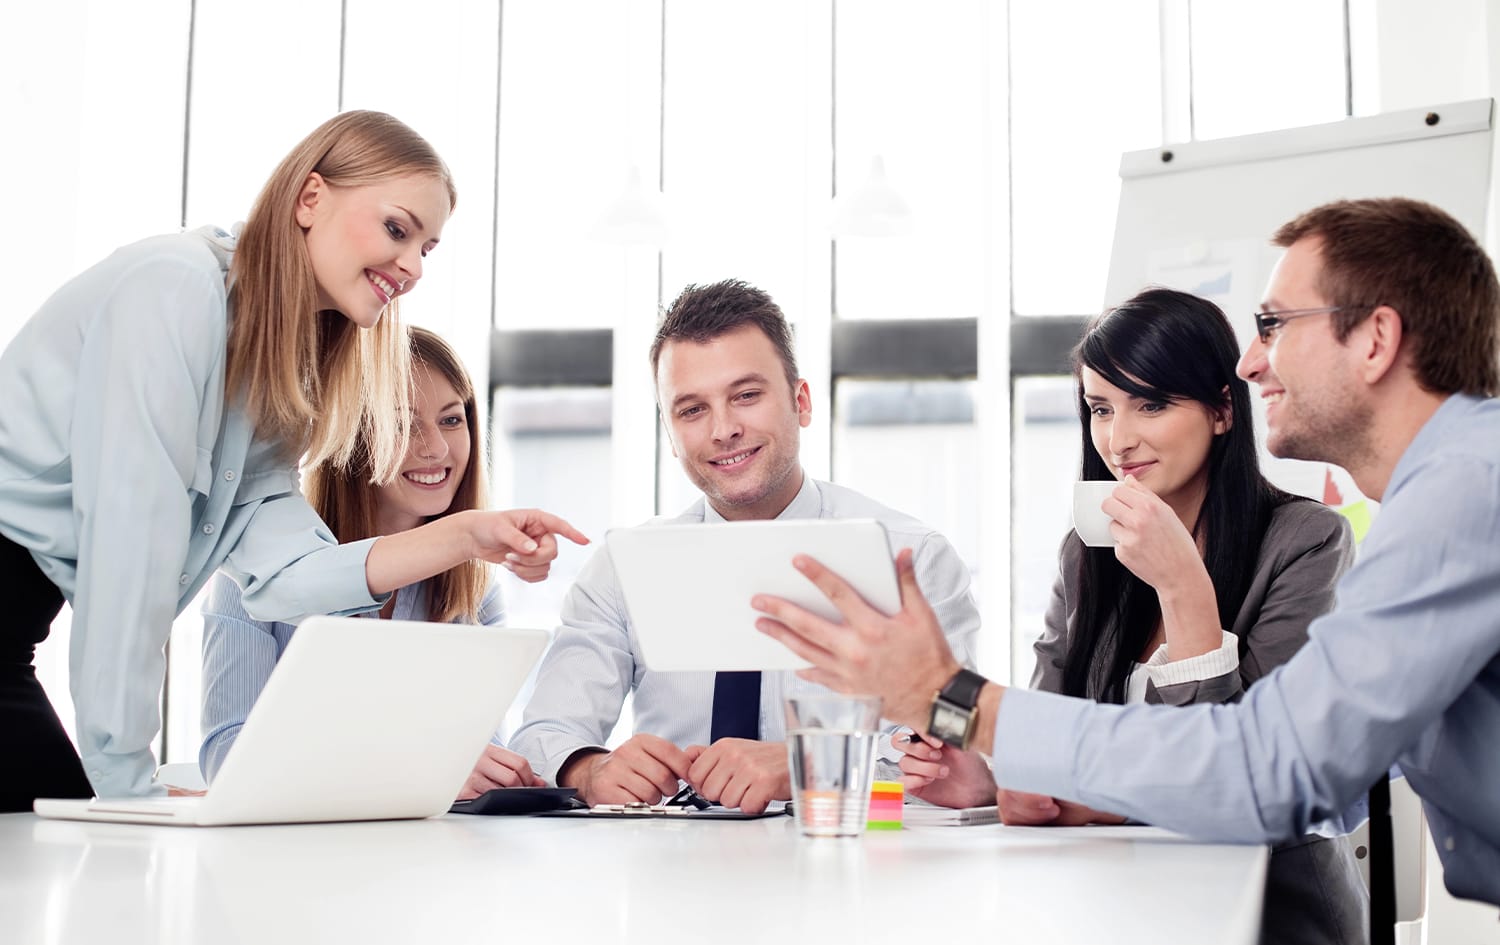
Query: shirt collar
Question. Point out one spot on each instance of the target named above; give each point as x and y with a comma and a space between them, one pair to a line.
807, 503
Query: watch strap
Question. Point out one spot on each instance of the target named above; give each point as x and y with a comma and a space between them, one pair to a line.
963, 689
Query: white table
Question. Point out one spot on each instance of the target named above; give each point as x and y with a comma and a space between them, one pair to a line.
545, 880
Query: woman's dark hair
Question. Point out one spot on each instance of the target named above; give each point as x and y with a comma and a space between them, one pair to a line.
1168, 346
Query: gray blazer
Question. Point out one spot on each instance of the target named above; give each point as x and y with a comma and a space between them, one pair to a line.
1314, 893
1306, 549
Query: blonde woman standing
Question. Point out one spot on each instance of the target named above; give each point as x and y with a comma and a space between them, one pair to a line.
155, 409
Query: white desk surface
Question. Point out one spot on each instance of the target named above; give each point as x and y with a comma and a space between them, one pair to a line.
546, 880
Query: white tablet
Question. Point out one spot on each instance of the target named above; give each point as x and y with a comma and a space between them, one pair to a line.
688, 587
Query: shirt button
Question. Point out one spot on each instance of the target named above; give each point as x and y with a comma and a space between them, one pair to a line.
208, 529
229, 475
1448, 844
183, 580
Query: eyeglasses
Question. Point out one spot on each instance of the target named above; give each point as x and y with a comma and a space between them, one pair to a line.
1268, 322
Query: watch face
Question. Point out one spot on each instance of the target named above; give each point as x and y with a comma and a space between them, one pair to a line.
948, 723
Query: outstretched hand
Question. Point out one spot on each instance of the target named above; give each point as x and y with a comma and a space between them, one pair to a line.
903, 658
1020, 809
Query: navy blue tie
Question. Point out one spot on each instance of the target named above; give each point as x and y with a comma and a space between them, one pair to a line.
736, 706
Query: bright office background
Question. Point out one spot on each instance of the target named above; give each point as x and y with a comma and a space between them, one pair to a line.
1000, 123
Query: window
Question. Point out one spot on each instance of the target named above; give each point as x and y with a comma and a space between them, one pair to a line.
1046, 462
227, 163
1274, 64
548, 446
740, 146
912, 445
1085, 86
579, 107
450, 101
913, 90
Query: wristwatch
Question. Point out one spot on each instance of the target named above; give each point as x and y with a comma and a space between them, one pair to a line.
955, 709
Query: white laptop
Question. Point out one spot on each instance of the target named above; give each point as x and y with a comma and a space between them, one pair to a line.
688, 587
361, 720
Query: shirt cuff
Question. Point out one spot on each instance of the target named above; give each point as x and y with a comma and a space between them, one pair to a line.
558, 758
1219, 662
1034, 741
114, 776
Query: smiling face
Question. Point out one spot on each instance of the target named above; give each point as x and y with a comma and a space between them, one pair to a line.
367, 243
436, 459
1164, 444
1305, 375
734, 422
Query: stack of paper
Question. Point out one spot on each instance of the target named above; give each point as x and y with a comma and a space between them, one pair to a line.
926, 815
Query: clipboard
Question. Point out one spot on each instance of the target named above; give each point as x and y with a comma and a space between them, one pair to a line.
641, 811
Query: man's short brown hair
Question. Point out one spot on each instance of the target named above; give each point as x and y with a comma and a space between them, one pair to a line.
1421, 262
702, 313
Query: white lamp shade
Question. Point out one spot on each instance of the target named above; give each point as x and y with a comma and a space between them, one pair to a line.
874, 209
636, 217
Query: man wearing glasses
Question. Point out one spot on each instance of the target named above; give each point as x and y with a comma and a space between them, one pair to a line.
1376, 350
733, 407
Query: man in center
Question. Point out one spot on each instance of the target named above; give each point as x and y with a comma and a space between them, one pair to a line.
733, 407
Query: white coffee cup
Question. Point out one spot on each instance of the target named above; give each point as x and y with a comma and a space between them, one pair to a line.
1089, 520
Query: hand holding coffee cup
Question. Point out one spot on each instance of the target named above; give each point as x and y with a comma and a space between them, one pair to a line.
1147, 536
1152, 542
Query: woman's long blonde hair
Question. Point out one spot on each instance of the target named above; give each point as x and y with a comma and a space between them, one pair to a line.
313, 379
346, 499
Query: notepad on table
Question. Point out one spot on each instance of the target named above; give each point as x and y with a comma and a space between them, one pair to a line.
924, 815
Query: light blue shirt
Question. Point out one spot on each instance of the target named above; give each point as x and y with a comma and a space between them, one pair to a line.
1405, 669
239, 653
130, 481
595, 662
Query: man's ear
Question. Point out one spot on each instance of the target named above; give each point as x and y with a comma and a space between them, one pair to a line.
1379, 338
309, 198
802, 397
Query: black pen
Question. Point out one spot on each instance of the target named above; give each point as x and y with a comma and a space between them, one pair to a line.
687, 797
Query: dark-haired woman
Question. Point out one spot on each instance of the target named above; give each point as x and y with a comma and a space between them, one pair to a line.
1213, 580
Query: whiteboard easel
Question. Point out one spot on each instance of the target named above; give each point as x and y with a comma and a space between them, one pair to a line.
1199, 217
